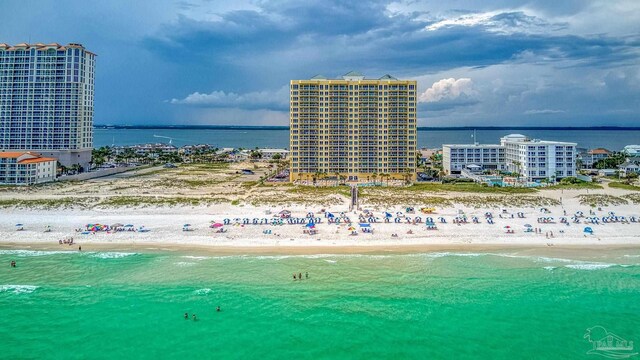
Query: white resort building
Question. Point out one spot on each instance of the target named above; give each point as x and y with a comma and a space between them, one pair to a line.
531, 158
473, 157
26, 168
46, 100
539, 159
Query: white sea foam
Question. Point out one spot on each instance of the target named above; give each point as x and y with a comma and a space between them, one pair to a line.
196, 257
111, 255
27, 253
18, 289
550, 268
588, 266
204, 291
184, 263
330, 261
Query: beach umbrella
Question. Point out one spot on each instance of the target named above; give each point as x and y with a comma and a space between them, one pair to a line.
364, 225
216, 225
129, 225
19, 225
186, 225
351, 228
507, 227
116, 225
527, 225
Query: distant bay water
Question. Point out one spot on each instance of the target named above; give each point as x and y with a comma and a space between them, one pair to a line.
278, 137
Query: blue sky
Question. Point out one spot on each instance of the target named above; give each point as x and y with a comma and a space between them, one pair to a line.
478, 63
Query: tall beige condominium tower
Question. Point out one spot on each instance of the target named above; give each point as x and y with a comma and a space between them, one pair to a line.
357, 128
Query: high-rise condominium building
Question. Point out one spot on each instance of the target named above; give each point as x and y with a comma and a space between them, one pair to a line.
46, 100
352, 127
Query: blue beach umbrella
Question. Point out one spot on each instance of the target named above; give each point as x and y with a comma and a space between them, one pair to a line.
19, 225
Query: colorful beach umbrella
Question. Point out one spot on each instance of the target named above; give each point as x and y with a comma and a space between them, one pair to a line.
216, 225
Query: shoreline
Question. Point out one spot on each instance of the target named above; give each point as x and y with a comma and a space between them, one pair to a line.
400, 249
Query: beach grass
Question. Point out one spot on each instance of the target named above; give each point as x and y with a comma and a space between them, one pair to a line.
594, 200
48, 204
621, 185
146, 201
634, 198
320, 190
576, 186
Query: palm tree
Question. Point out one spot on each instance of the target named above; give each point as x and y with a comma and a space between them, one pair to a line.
374, 176
517, 164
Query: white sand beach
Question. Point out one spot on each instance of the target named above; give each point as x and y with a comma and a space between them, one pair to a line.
164, 200
166, 225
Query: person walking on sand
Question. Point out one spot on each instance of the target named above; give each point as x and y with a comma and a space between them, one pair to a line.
80, 248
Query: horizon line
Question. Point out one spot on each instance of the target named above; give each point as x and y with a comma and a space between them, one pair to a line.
435, 128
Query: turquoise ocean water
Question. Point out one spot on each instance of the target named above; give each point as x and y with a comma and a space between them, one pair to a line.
423, 306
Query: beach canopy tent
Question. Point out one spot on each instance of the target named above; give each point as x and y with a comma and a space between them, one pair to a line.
364, 225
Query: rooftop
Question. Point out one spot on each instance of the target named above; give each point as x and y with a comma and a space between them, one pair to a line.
354, 76
41, 47
473, 145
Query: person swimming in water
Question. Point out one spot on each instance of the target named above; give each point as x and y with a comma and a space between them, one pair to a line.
194, 317
186, 316
300, 276
294, 276
218, 309
306, 275
13, 263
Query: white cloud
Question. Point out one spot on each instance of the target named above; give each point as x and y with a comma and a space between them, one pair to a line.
543, 111
447, 90
276, 100
501, 21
